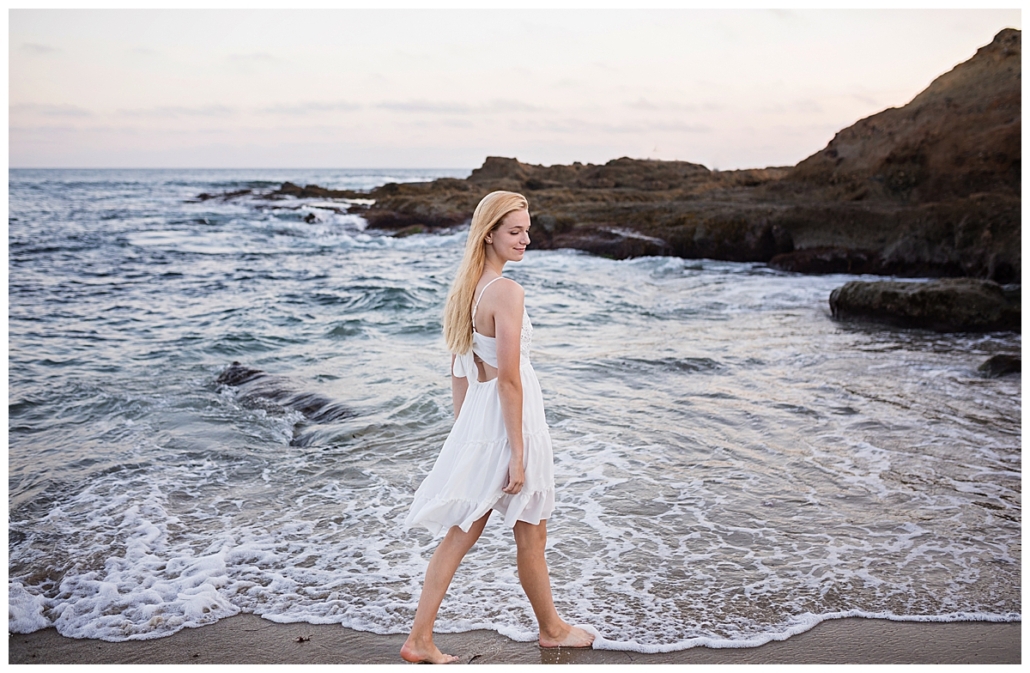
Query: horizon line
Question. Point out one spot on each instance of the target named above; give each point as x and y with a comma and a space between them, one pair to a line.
236, 168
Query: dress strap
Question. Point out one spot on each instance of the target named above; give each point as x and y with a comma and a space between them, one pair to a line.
476, 304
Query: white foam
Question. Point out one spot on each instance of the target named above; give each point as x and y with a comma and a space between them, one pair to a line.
25, 610
799, 625
806, 472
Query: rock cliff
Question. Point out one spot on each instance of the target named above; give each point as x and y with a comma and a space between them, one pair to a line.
928, 189
959, 137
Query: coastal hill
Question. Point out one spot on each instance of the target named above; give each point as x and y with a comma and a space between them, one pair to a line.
928, 189
960, 136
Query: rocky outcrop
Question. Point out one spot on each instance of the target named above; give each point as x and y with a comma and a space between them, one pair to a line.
961, 136
225, 196
1000, 365
313, 192
928, 189
948, 305
253, 385
625, 208
978, 236
825, 259
442, 203
940, 177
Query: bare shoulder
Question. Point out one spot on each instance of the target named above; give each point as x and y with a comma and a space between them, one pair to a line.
504, 296
508, 289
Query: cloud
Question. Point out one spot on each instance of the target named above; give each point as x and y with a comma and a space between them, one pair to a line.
508, 105
172, 111
644, 104
562, 126
458, 122
253, 58
800, 106
675, 127
576, 126
868, 100
806, 106
425, 107
258, 62
312, 107
496, 106
679, 127
567, 83
39, 49
44, 110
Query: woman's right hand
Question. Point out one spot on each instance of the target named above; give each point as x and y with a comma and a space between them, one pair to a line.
516, 477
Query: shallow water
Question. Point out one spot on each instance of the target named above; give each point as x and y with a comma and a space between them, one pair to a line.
732, 465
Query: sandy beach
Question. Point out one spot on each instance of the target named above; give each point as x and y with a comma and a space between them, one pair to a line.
248, 639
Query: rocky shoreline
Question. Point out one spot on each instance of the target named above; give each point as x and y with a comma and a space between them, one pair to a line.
928, 189
931, 190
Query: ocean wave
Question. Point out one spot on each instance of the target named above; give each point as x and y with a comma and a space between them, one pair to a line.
732, 466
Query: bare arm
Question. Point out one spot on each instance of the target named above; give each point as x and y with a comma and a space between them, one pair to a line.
459, 386
508, 329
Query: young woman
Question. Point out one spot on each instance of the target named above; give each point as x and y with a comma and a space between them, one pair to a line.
498, 454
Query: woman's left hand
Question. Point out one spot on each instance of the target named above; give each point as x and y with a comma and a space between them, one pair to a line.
516, 477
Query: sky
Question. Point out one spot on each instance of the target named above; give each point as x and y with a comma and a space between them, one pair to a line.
446, 88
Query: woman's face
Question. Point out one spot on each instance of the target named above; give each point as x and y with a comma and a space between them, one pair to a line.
510, 238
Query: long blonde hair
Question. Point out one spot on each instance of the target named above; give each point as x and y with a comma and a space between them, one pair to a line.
457, 316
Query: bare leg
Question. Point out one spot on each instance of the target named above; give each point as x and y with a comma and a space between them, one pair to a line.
419, 646
554, 632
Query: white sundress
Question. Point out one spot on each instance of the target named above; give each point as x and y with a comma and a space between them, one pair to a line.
466, 480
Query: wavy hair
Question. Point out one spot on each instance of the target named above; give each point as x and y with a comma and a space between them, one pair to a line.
457, 316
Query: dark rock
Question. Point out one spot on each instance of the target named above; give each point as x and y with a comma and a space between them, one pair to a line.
311, 218
314, 192
409, 231
534, 184
827, 260
236, 374
550, 225
425, 218
498, 168
606, 242
735, 240
1000, 365
255, 386
949, 305
225, 196
977, 236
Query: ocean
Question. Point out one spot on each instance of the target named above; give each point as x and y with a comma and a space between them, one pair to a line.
732, 465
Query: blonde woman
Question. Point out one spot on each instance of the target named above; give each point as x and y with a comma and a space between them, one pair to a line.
498, 454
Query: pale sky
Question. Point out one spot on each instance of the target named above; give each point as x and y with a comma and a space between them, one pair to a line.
446, 88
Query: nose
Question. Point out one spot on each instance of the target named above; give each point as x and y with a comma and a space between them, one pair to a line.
524, 240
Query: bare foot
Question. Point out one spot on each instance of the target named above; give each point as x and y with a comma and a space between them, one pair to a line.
430, 654
573, 637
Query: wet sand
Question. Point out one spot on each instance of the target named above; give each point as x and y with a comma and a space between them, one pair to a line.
248, 639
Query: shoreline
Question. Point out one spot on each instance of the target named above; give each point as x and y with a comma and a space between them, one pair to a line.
249, 639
